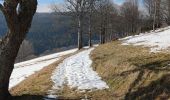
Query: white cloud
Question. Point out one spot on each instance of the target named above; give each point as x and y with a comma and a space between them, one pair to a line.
45, 8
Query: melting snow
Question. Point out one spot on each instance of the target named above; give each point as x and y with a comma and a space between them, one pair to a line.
25, 69
76, 72
157, 41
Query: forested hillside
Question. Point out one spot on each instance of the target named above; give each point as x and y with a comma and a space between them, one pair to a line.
47, 35
48, 31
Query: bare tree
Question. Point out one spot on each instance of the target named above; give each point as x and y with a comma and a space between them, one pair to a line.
18, 15
130, 12
103, 16
154, 16
154, 9
166, 7
78, 8
90, 14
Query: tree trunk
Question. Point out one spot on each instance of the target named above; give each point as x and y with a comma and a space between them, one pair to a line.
102, 36
5, 72
168, 12
91, 9
90, 42
90, 35
7, 59
80, 39
154, 19
18, 23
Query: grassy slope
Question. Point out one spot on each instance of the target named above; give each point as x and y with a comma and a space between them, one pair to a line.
133, 72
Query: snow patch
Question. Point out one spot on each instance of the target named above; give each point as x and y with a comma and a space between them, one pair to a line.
157, 41
76, 72
25, 69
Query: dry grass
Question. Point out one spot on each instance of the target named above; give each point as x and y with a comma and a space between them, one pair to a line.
129, 69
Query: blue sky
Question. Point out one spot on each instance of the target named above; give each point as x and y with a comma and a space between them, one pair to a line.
44, 5
119, 1
49, 1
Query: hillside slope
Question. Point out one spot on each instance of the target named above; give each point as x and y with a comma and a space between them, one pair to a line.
133, 68
136, 67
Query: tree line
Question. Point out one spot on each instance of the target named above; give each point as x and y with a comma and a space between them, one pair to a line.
112, 21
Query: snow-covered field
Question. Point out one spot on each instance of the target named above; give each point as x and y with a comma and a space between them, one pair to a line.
76, 72
157, 41
25, 69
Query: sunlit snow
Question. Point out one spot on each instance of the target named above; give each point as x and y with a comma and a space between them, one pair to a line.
157, 41
25, 69
76, 72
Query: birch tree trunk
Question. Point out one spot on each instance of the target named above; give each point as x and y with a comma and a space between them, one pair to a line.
80, 39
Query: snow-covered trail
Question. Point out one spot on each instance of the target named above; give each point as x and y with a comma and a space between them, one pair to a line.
156, 41
25, 69
76, 72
